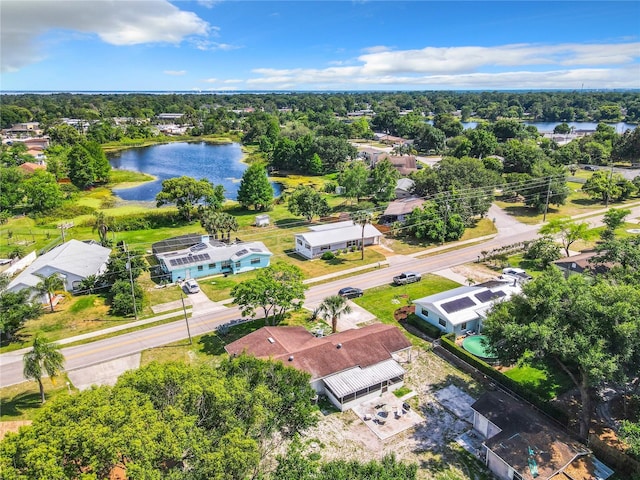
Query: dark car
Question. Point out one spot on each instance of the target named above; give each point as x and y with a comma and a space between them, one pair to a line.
590, 168
350, 292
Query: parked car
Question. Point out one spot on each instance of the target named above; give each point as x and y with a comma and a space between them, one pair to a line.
350, 292
191, 286
517, 273
590, 168
407, 277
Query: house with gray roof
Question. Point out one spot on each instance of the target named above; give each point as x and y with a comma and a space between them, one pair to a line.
462, 309
73, 261
399, 210
333, 237
212, 257
349, 367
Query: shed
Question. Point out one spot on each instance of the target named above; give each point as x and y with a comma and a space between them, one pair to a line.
262, 220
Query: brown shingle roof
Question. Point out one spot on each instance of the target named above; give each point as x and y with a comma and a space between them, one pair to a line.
31, 167
321, 356
403, 206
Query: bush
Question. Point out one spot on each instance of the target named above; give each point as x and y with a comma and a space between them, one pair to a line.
424, 327
328, 256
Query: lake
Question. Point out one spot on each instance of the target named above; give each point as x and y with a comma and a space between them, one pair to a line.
545, 127
220, 164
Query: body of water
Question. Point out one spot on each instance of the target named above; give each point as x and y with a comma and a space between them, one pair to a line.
545, 127
220, 164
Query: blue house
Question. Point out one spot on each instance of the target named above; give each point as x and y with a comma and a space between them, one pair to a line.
212, 257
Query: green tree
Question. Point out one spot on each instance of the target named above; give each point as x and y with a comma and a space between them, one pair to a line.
568, 231
362, 218
255, 190
603, 185
334, 307
121, 261
121, 298
543, 251
308, 203
449, 124
429, 138
15, 309
384, 177
43, 358
354, 178
49, 286
12, 191
630, 433
185, 192
41, 191
613, 219
589, 329
483, 142
275, 289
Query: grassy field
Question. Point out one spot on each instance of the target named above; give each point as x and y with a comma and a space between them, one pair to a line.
542, 378
22, 401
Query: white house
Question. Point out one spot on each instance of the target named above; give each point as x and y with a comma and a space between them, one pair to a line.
404, 187
521, 445
73, 261
333, 237
349, 367
462, 309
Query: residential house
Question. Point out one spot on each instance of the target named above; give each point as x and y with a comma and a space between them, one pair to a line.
519, 444
404, 164
348, 367
399, 210
463, 309
581, 263
73, 261
334, 236
370, 155
211, 257
170, 116
173, 244
404, 187
30, 167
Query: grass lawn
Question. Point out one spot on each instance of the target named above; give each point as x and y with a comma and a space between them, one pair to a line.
22, 401
542, 378
383, 301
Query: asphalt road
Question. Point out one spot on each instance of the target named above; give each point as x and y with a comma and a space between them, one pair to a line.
510, 231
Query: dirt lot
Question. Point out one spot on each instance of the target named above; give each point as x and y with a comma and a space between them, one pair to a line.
430, 444
478, 272
13, 426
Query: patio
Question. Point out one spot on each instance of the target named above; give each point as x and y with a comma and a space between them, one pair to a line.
387, 415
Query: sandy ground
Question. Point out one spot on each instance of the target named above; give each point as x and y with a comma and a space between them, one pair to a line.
13, 426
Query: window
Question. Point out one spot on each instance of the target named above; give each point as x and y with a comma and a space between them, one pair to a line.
237, 264
307, 246
442, 322
463, 326
200, 268
212, 265
299, 241
353, 243
226, 264
255, 261
325, 247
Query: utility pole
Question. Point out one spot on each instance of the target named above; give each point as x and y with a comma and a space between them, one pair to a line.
609, 186
64, 226
185, 317
133, 291
546, 204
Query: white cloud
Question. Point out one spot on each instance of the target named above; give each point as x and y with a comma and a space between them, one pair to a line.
208, 3
175, 72
202, 44
612, 65
115, 22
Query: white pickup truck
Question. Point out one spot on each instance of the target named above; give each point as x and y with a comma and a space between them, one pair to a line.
407, 277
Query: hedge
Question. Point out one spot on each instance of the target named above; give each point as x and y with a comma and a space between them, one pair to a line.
424, 327
449, 344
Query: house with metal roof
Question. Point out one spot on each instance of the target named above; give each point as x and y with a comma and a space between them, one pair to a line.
399, 210
212, 257
349, 367
333, 237
73, 261
462, 309
520, 444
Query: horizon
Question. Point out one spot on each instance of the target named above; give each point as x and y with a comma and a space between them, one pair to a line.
212, 46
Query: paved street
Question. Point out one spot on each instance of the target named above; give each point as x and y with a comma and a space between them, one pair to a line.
94, 353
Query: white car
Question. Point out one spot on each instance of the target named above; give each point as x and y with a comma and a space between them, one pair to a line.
191, 286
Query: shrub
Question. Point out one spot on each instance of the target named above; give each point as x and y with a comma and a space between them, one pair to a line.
328, 256
424, 327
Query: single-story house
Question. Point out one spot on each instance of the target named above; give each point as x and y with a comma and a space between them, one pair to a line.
462, 309
404, 164
174, 244
520, 444
211, 257
399, 210
404, 187
73, 261
333, 237
581, 263
348, 367
31, 167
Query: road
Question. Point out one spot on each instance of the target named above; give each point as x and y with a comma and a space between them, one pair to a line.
510, 231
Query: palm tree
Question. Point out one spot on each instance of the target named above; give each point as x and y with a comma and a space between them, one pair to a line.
43, 358
334, 307
362, 218
212, 222
230, 224
102, 224
49, 285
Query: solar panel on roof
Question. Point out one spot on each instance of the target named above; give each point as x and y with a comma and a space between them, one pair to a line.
488, 295
172, 262
244, 251
205, 256
457, 305
257, 250
199, 246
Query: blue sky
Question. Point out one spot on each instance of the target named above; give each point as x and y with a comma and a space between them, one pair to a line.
210, 45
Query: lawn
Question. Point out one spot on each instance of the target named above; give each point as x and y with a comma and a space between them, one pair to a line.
22, 401
383, 301
542, 378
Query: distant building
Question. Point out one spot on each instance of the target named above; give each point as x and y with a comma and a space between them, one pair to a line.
349, 367
399, 210
404, 188
581, 263
170, 116
333, 237
211, 257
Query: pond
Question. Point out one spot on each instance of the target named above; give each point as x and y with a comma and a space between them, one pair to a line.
220, 164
